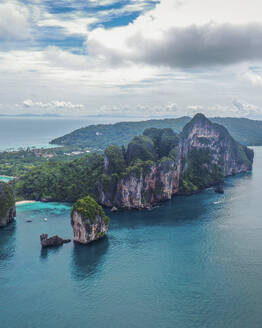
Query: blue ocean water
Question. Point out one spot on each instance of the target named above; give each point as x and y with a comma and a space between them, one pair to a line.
193, 262
38, 132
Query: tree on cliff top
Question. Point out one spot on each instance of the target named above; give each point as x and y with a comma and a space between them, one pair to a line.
89, 209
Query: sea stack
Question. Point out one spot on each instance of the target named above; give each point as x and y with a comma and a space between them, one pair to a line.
88, 220
52, 241
7, 204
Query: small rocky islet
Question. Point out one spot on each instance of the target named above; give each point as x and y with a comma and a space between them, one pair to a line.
88, 220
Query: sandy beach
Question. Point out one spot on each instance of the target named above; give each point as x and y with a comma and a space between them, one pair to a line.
25, 202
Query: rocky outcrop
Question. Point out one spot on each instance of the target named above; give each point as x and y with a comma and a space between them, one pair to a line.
201, 156
143, 186
209, 154
88, 220
52, 241
7, 204
219, 189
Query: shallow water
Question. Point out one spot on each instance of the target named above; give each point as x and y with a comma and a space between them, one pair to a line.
192, 262
4, 178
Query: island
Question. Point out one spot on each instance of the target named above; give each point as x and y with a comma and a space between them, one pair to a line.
88, 220
153, 168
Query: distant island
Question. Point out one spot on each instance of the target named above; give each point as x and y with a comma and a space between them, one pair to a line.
31, 115
152, 168
245, 131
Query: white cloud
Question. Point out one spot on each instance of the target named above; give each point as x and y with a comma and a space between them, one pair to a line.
247, 110
254, 78
168, 58
14, 22
53, 103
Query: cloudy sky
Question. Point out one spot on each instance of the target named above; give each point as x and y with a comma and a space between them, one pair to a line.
131, 57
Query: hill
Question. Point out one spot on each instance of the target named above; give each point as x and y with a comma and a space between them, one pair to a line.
245, 131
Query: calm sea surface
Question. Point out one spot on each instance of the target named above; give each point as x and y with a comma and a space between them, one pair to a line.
38, 132
192, 262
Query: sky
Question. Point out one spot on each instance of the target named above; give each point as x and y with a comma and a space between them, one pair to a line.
134, 58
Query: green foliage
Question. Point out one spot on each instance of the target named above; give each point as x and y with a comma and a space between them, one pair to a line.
89, 209
186, 186
17, 163
62, 181
115, 157
109, 182
245, 131
118, 134
7, 198
137, 168
164, 140
141, 147
201, 172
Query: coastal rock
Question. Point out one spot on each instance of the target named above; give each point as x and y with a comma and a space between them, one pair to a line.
219, 189
209, 154
88, 220
7, 204
52, 241
201, 156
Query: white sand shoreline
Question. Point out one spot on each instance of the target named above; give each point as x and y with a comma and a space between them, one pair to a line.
25, 202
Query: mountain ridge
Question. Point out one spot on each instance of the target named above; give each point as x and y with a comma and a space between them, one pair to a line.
244, 130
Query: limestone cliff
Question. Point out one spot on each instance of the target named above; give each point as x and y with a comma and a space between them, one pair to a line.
161, 164
7, 204
88, 220
208, 153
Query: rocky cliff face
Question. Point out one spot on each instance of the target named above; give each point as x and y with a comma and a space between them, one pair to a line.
143, 186
204, 154
7, 204
208, 154
88, 220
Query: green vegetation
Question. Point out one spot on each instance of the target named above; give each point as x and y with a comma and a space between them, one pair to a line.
115, 159
156, 148
65, 181
164, 140
7, 198
102, 135
89, 209
99, 137
245, 131
201, 172
141, 148
17, 163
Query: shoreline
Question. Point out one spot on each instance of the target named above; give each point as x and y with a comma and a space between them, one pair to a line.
25, 202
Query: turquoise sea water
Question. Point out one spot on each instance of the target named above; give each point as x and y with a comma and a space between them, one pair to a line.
193, 262
4, 178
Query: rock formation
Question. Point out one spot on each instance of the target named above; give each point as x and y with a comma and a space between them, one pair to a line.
7, 204
161, 163
52, 241
219, 189
88, 220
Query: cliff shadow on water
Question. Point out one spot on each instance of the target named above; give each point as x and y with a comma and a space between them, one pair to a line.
87, 259
7, 243
47, 251
179, 210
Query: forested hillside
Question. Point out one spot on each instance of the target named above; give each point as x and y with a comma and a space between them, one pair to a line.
245, 131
